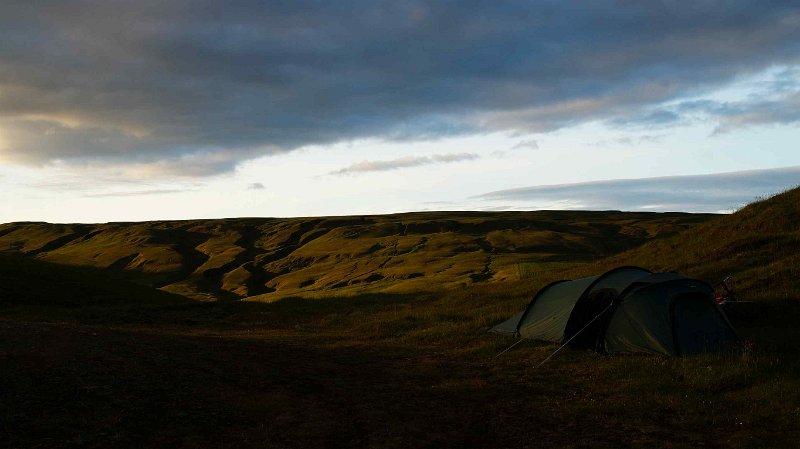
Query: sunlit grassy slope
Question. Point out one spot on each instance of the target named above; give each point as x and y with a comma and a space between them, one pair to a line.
759, 246
332, 256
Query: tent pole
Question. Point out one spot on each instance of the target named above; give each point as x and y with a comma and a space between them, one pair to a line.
571, 338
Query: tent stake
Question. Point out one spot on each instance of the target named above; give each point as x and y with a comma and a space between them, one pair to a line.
571, 338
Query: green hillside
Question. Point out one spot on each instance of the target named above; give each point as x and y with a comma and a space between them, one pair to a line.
759, 246
27, 284
273, 258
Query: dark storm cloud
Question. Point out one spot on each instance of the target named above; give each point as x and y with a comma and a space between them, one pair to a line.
783, 109
154, 81
698, 193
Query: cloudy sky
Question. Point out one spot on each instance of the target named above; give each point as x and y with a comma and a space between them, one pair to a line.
137, 110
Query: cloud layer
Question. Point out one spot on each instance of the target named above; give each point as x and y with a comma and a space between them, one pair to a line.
698, 193
145, 81
403, 162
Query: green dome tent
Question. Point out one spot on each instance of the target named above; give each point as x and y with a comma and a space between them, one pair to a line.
628, 309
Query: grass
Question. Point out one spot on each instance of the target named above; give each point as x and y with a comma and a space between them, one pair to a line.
375, 371
26, 284
758, 245
336, 256
532, 270
354, 367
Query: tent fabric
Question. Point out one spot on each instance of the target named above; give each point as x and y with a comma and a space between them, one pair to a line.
669, 315
641, 322
550, 311
590, 304
509, 326
699, 328
628, 309
548, 314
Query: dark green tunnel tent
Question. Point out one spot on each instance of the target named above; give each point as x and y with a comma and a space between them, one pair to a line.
628, 309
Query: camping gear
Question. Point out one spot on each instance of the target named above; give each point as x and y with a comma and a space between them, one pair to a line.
728, 295
628, 309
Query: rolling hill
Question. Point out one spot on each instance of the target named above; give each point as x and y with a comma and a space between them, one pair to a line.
759, 246
26, 283
272, 258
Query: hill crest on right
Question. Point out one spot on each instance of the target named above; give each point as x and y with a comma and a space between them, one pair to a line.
758, 246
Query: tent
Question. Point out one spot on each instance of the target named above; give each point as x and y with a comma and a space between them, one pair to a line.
628, 309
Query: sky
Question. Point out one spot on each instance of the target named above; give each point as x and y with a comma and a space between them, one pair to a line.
127, 111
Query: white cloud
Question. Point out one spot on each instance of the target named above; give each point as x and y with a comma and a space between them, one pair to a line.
403, 162
696, 193
133, 193
526, 144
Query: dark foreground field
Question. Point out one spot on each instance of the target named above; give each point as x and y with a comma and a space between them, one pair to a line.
88, 359
376, 372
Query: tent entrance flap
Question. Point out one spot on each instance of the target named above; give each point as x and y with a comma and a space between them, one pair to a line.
699, 327
589, 336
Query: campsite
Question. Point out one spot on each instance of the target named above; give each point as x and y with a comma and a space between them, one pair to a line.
91, 359
410, 224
